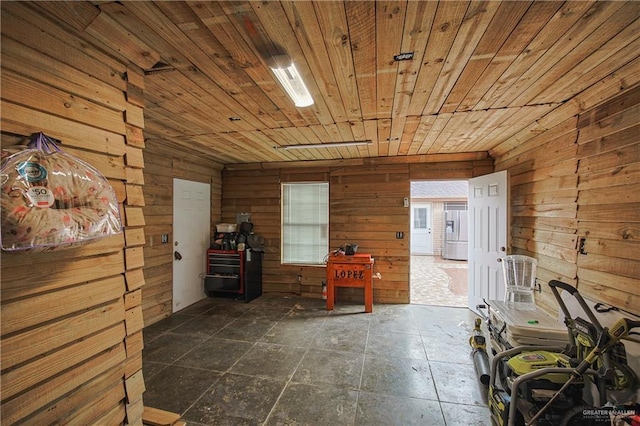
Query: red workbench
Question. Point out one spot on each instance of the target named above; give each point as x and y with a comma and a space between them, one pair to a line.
350, 271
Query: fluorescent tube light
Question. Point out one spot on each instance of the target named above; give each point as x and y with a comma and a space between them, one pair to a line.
288, 76
324, 145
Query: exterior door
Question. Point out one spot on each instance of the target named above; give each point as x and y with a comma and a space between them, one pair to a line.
421, 225
488, 236
191, 239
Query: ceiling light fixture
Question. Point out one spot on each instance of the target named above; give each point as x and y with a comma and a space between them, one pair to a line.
324, 145
288, 76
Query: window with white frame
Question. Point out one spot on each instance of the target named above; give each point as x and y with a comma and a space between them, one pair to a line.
305, 223
420, 218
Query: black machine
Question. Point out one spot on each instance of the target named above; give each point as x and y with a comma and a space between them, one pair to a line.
546, 386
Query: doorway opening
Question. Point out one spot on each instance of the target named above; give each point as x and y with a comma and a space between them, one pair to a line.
438, 264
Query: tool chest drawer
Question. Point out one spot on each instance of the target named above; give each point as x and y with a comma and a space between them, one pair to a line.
224, 263
222, 283
234, 273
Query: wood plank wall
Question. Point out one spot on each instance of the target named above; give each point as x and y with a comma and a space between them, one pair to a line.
609, 202
163, 163
366, 207
71, 338
578, 180
542, 175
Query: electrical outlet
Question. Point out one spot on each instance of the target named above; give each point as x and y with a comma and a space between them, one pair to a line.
399, 235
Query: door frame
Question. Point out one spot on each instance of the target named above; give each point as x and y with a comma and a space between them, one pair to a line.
437, 234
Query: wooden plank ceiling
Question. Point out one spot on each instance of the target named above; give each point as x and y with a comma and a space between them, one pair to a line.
484, 75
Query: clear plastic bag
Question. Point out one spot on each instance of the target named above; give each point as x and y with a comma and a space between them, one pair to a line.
53, 200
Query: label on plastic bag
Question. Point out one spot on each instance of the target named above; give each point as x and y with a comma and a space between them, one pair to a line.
40, 196
32, 172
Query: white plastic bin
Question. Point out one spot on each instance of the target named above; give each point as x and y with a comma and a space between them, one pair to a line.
520, 280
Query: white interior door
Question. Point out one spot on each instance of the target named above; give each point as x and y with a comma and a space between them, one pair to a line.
488, 236
421, 226
191, 239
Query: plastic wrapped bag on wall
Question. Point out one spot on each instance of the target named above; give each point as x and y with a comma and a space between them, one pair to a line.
53, 200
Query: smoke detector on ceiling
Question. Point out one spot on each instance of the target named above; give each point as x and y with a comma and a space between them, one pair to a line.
406, 56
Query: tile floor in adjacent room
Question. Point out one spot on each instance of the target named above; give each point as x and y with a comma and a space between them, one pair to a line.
283, 359
438, 282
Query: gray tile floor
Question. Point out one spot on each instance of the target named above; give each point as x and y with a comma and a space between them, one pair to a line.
287, 360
